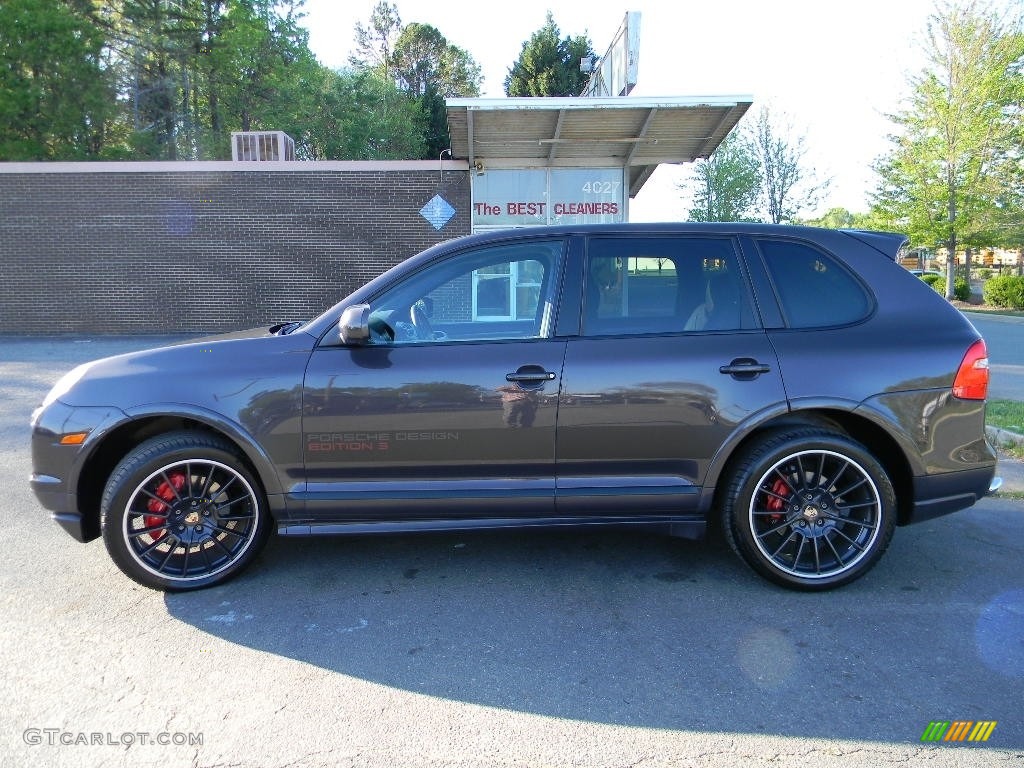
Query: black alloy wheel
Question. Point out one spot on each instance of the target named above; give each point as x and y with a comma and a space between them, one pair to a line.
809, 509
182, 511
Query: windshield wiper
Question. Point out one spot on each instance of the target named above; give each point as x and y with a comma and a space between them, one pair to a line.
283, 329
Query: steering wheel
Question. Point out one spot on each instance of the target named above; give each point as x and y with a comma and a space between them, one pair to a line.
420, 321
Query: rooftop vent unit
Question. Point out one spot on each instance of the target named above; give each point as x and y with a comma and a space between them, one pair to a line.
262, 145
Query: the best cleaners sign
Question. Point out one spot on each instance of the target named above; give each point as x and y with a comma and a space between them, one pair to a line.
526, 197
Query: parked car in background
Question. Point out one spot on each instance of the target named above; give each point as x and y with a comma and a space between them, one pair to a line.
923, 272
793, 386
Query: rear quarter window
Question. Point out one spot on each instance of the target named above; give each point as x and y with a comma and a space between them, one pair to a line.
814, 289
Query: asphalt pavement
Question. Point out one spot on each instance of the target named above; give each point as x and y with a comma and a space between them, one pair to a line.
1004, 337
1011, 470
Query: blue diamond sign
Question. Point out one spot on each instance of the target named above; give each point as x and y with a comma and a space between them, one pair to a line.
437, 211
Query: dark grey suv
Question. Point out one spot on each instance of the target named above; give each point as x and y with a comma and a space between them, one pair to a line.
795, 387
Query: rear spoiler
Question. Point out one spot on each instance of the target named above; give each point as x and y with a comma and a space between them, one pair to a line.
887, 243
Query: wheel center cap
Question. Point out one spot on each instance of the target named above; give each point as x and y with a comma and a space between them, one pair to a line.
192, 518
811, 512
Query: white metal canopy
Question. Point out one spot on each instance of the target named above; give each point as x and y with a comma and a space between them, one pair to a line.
636, 133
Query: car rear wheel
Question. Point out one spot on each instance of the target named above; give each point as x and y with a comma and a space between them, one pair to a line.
182, 511
809, 509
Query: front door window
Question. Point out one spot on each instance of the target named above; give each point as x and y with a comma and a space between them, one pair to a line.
498, 293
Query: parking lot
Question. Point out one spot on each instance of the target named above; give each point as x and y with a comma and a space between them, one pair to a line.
499, 649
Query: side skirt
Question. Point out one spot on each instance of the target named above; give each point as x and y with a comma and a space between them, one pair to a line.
682, 527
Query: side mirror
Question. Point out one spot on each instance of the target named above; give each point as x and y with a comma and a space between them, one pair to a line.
354, 327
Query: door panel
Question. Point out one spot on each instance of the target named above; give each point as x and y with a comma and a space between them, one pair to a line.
671, 360
431, 430
437, 411
647, 415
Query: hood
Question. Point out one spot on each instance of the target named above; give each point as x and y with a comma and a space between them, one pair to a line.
210, 370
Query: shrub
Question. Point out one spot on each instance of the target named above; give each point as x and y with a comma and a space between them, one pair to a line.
1006, 291
961, 289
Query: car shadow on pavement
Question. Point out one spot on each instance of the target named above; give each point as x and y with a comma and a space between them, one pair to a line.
642, 630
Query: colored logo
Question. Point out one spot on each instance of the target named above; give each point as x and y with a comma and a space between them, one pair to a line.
958, 730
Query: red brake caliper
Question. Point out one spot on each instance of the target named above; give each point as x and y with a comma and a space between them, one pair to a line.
167, 492
777, 503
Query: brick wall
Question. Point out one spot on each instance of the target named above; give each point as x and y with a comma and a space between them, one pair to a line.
123, 248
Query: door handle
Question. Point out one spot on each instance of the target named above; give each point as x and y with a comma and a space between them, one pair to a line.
744, 368
530, 374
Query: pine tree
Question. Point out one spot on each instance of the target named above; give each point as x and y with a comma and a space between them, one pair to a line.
549, 65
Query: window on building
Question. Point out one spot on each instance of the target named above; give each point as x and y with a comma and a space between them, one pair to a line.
507, 291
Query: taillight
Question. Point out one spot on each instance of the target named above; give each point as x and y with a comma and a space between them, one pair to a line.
971, 382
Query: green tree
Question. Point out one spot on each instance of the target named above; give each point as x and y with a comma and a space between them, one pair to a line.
427, 68
953, 169
430, 69
727, 185
171, 79
788, 184
841, 218
56, 95
190, 72
834, 218
434, 113
267, 55
375, 41
151, 40
758, 173
548, 64
363, 116
424, 59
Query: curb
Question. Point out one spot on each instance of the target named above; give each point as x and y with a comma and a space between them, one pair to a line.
1009, 468
1002, 437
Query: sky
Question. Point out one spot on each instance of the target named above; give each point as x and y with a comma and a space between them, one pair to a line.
833, 71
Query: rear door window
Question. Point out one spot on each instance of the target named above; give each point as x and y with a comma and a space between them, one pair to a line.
663, 285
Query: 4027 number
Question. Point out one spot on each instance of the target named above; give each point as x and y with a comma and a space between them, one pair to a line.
601, 187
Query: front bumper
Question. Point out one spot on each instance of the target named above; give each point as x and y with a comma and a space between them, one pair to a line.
56, 467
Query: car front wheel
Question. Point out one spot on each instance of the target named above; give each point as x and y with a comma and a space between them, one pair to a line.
182, 511
809, 509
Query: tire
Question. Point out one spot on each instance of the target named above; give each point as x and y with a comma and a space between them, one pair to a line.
182, 511
808, 509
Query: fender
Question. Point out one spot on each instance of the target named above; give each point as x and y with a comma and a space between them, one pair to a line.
803, 411
254, 452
